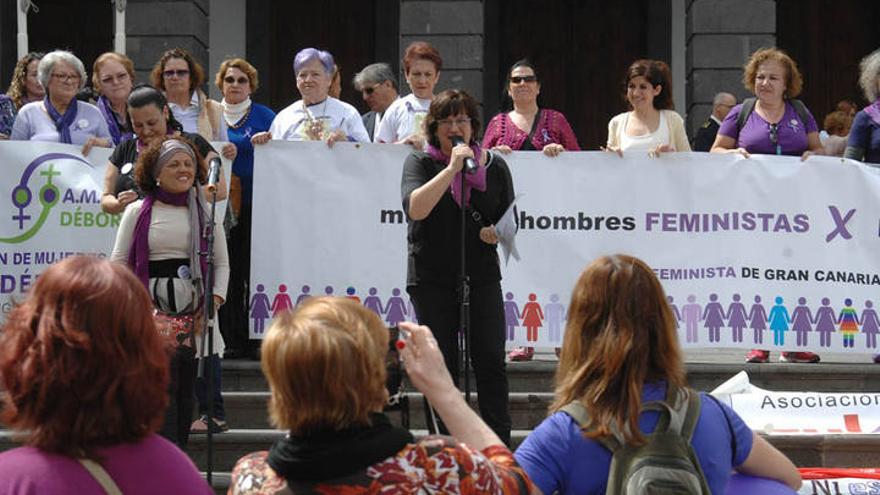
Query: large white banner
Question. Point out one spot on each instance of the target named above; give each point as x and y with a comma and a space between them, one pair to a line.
764, 252
51, 197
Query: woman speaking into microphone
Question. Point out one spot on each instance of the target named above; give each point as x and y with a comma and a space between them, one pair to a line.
433, 199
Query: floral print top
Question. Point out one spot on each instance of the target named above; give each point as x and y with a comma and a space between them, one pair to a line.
435, 464
7, 115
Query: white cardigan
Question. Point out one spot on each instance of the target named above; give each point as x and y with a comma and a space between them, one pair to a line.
677, 137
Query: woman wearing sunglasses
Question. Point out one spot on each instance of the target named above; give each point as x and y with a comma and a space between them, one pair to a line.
237, 80
528, 127
113, 79
776, 125
180, 77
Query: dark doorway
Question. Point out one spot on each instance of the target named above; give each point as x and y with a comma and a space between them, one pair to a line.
57, 25
581, 50
84, 27
827, 39
356, 33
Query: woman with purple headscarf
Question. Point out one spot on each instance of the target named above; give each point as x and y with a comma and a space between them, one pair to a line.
159, 238
59, 117
317, 116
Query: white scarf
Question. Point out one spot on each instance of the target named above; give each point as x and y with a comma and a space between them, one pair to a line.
234, 112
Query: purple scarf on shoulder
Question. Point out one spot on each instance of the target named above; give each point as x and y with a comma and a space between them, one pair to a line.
62, 122
471, 181
139, 254
873, 111
112, 124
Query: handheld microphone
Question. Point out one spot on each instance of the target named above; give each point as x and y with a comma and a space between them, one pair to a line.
470, 165
214, 174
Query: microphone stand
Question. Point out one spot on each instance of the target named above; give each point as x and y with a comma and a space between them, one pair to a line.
208, 332
464, 287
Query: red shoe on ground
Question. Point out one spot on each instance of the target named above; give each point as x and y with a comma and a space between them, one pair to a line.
522, 354
758, 356
799, 357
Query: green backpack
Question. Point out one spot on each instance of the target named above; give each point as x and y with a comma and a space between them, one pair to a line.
666, 464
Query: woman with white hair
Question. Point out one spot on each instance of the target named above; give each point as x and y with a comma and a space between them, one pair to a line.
864, 135
59, 117
317, 116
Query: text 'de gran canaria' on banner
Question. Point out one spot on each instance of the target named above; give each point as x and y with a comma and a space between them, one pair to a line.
767, 251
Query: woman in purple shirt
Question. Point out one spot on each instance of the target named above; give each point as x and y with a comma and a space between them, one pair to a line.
85, 373
777, 125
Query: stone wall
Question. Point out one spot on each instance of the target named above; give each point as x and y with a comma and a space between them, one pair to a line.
721, 34
455, 28
153, 26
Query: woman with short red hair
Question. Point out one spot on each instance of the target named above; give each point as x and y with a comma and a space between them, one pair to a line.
402, 123
85, 372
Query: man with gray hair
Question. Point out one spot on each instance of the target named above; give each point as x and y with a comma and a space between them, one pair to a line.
721, 106
378, 88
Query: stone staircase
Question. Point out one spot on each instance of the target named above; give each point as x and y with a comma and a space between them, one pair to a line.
246, 396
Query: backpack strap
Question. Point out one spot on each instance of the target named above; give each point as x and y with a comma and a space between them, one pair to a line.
748, 106
579, 413
801, 110
678, 413
101, 476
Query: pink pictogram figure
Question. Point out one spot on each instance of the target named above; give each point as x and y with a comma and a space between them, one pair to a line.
281, 302
532, 316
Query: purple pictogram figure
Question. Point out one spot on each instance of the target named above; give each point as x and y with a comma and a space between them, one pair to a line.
736, 318
555, 315
350, 294
260, 309
713, 315
304, 295
779, 321
532, 316
801, 321
849, 323
328, 291
675, 313
826, 321
396, 309
870, 325
373, 303
758, 320
691, 313
282, 301
511, 315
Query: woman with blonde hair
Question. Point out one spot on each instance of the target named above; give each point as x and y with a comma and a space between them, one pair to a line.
621, 351
325, 363
113, 78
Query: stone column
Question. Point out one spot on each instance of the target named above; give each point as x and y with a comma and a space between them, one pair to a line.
721, 35
455, 28
153, 26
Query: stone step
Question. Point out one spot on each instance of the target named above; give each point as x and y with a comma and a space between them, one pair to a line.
537, 376
804, 450
249, 409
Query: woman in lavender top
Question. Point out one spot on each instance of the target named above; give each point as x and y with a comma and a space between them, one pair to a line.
864, 136
59, 117
774, 127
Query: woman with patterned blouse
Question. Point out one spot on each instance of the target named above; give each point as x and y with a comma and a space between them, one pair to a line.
528, 127
325, 363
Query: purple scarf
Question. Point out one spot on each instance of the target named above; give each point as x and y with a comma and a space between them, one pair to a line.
139, 255
476, 180
62, 122
112, 124
873, 111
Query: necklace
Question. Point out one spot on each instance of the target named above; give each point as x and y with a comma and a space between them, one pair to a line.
242, 120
